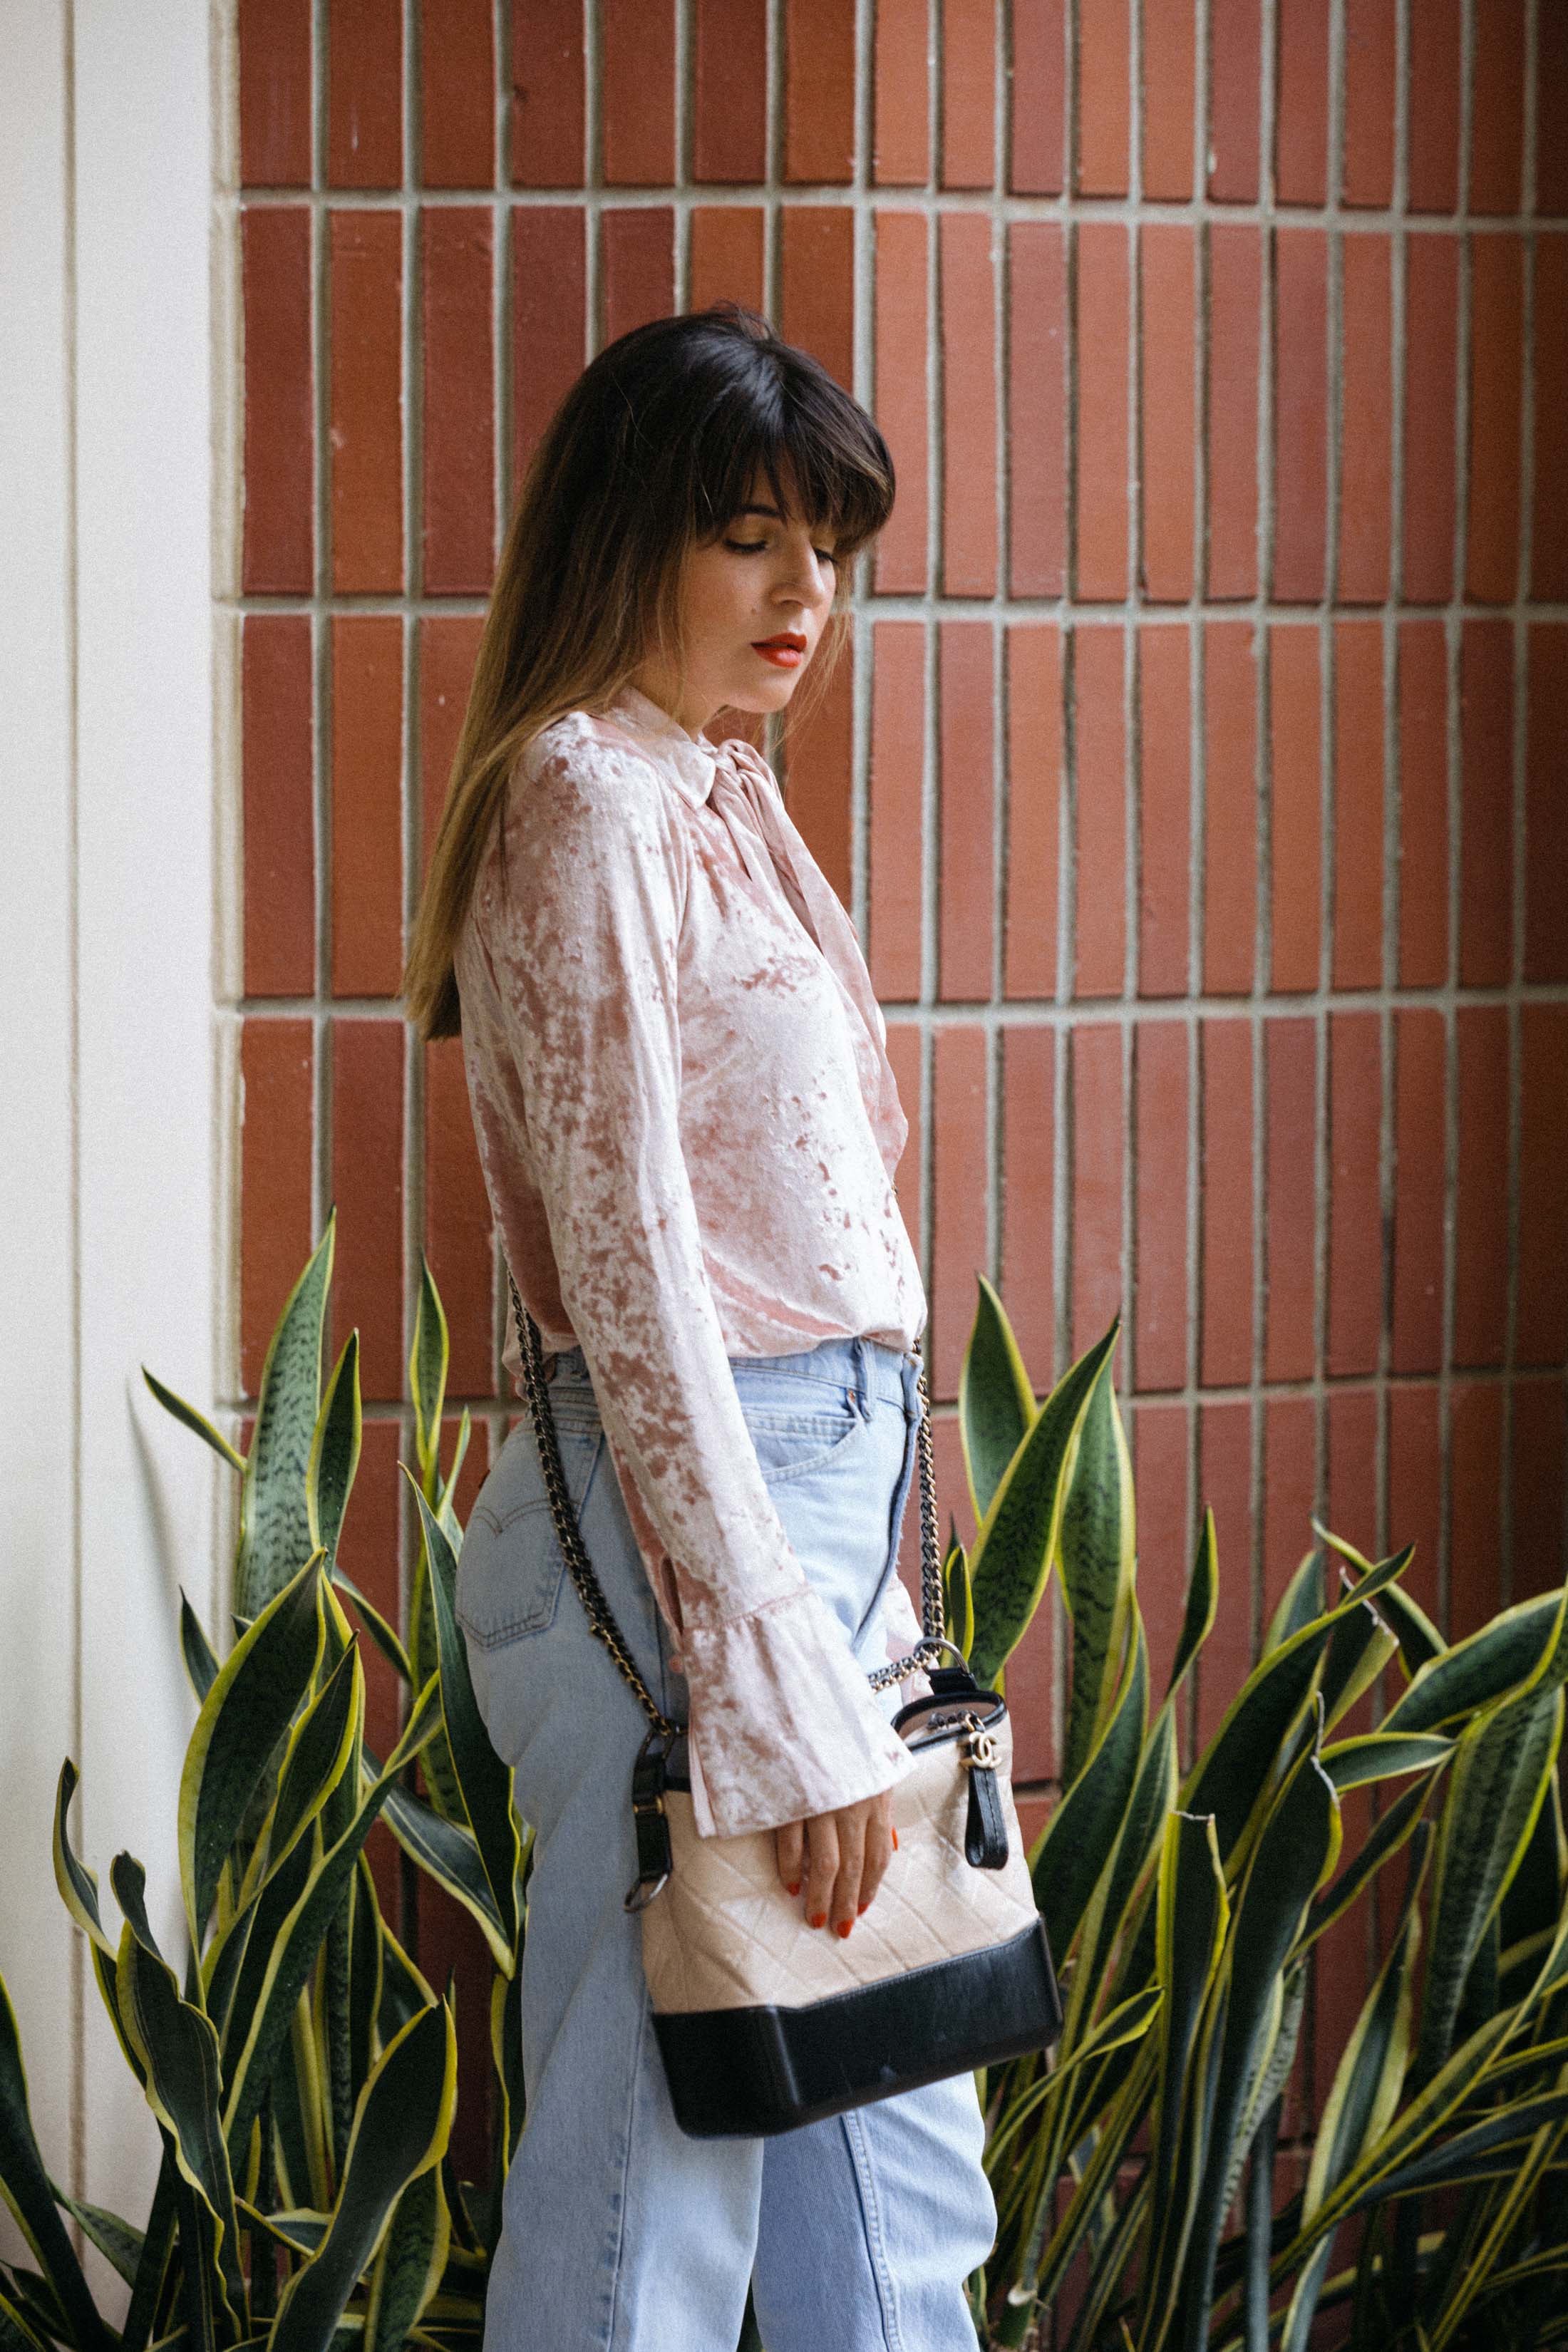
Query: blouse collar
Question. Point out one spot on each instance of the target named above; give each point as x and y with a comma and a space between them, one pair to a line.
693, 760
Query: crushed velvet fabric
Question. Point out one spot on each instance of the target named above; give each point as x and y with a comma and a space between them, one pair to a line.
689, 1126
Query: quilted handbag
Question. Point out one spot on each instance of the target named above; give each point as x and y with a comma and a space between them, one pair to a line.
764, 2024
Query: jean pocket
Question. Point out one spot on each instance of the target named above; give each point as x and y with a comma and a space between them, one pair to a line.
791, 1440
512, 1564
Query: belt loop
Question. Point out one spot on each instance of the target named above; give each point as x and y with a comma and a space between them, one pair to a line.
862, 1375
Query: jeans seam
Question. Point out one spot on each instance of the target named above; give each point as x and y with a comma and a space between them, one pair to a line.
619, 2262
875, 2245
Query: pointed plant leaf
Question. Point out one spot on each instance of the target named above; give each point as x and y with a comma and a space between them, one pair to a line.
1303, 1598
995, 1400
334, 1452
24, 2184
1419, 1640
1079, 1837
116, 2240
192, 1419
1018, 1538
274, 1523
447, 1852
409, 2267
1481, 1668
1203, 1599
427, 1364
385, 1639
200, 1658
1382, 1755
1391, 1831
320, 1749
1096, 1549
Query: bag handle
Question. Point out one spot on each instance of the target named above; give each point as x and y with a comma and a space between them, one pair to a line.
591, 1593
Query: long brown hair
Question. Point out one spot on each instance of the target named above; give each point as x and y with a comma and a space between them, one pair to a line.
654, 450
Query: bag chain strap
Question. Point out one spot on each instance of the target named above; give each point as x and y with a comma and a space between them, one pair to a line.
599, 1615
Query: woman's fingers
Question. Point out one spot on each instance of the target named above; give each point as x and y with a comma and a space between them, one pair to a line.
821, 1867
878, 1848
790, 1842
845, 1907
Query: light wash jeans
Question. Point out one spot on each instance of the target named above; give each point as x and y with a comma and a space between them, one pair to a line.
620, 2233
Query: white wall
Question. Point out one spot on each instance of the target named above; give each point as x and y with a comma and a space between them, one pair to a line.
111, 1232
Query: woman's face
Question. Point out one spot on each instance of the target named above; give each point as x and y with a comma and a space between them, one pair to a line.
765, 577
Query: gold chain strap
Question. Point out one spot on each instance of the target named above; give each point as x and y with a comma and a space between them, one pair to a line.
933, 1616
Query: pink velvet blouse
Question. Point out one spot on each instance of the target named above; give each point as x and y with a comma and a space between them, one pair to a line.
689, 1126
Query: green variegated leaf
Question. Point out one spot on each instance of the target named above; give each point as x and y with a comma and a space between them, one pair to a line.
275, 1539
320, 1751
1303, 1598
1096, 1549
24, 2184
192, 1419
1419, 1640
447, 1507
1381, 1756
243, 1716
1018, 1536
1072, 1852
409, 2266
996, 1399
1480, 1669
1393, 1828
1193, 1922
1139, 1837
428, 1365
200, 1658
17, 2333
449, 1854
116, 2240
958, 1599
334, 1452
1203, 1599
385, 1639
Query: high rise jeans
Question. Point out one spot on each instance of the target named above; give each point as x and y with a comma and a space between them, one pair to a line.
620, 2233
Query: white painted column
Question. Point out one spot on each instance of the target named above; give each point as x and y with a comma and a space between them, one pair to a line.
110, 1207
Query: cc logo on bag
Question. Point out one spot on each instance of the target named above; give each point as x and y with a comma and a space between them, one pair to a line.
982, 1752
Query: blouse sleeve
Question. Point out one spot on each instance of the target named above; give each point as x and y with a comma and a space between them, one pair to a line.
582, 941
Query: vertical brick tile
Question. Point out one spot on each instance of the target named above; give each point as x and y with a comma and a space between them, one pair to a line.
273, 40
1161, 1303
1291, 1199
818, 274
1358, 804
1170, 72
1352, 1468
966, 875
1480, 1217
1431, 393
1037, 164
549, 143
636, 67
1161, 1445
1432, 86
1486, 820
280, 540
1035, 762
1423, 805
1546, 805
1301, 413
819, 90
1226, 1355
1550, 102
456, 94
1037, 407
365, 251
1102, 419
276, 1082
900, 96
364, 93
1104, 97
1099, 1156
278, 766
968, 93
901, 405
1296, 826
1235, 78
1474, 1535
448, 644
725, 258
1289, 1492
1235, 259
1230, 825
1355, 1220
1497, 347
1225, 1486
959, 1185
1301, 125
1536, 1456
1542, 1337
898, 761
367, 1189
1165, 809
1028, 1195
730, 130
458, 453
1420, 1064
549, 305
1366, 393
818, 777
367, 807
1415, 1490
1100, 860
1370, 99
969, 377
457, 1221
1497, 109
1168, 282
1548, 547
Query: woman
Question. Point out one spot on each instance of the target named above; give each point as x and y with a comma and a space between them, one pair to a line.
687, 1126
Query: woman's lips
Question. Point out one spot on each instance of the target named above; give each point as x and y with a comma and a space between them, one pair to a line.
781, 652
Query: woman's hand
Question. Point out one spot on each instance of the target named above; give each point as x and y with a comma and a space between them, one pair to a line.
839, 1858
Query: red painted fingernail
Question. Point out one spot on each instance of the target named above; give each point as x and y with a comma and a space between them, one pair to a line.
819, 1919
796, 1888
895, 1840
845, 1925
858, 1908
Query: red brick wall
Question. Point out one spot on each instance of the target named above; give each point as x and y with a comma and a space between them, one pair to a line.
1198, 782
